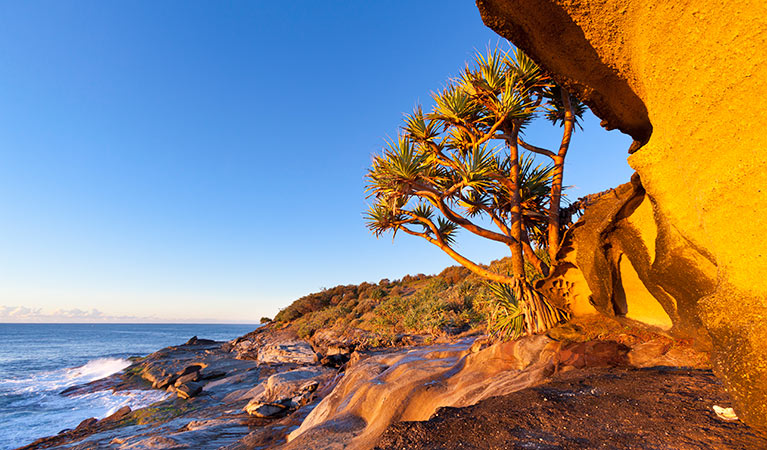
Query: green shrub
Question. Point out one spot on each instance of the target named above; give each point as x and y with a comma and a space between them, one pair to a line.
454, 299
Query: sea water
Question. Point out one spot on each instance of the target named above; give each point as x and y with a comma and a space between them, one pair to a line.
38, 361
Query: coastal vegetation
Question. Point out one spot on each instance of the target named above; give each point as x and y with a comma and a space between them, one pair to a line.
452, 302
466, 165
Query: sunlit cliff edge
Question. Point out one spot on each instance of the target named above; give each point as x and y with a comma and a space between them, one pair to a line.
687, 80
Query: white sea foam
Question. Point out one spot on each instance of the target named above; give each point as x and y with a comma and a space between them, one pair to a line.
97, 369
43, 411
55, 380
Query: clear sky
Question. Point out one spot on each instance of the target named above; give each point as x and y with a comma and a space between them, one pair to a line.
204, 161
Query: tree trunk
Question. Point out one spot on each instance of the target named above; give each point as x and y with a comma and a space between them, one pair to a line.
556, 182
517, 257
556, 197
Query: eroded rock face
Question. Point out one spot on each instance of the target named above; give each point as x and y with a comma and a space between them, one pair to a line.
412, 384
693, 75
622, 259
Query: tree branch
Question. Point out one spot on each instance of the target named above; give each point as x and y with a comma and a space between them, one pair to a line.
436, 200
460, 259
491, 133
444, 160
534, 149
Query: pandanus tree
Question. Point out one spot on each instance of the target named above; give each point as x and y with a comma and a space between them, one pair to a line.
461, 166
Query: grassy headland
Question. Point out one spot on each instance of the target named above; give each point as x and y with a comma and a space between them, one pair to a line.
451, 302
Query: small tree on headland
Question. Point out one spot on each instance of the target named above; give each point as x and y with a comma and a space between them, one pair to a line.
460, 167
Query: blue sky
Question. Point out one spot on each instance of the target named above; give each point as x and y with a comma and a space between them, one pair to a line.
204, 161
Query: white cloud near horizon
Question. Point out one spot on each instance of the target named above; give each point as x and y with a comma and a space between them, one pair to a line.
23, 314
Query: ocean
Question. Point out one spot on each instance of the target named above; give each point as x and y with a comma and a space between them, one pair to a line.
37, 361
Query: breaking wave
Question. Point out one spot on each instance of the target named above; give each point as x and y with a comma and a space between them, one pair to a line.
41, 409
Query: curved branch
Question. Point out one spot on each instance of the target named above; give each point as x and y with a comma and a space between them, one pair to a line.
436, 200
534, 149
493, 216
460, 259
491, 133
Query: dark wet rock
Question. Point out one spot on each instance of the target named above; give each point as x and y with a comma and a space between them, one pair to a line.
219, 423
189, 389
211, 374
196, 341
87, 423
153, 372
118, 415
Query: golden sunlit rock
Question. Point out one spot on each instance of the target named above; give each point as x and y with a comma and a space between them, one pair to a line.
688, 81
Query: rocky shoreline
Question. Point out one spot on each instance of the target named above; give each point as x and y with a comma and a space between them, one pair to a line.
270, 389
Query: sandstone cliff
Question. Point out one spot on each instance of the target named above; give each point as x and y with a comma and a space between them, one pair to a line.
688, 81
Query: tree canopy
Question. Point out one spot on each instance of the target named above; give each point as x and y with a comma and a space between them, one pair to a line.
459, 166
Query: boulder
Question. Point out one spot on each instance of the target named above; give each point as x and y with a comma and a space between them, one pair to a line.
196, 341
294, 351
118, 415
87, 423
662, 72
194, 376
286, 385
356, 357
265, 410
189, 390
291, 389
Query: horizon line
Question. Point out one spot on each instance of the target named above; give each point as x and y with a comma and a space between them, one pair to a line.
128, 323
